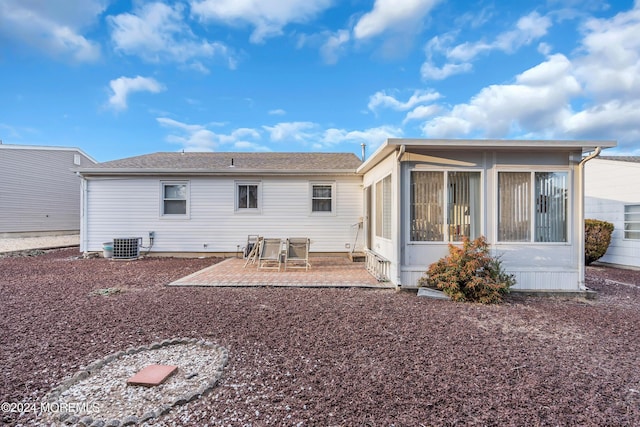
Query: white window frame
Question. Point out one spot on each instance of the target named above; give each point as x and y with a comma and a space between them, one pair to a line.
331, 184
627, 221
187, 213
533, 206
386, 227
237, 207
445, 204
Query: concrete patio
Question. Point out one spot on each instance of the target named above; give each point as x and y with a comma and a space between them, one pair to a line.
330, 272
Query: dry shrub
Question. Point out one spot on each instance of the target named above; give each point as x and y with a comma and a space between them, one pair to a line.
469, 273
597, 236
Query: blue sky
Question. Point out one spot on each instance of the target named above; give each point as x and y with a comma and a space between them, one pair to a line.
123, 78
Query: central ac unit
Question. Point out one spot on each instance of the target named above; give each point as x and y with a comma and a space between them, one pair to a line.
126, 247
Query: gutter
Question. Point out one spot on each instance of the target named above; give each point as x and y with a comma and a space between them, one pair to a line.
581, 187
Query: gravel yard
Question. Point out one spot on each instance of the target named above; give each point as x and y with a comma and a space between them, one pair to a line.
327, 357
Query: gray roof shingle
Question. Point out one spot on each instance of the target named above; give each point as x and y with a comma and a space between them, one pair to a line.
222, 161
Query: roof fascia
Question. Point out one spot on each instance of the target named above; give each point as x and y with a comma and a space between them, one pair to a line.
46, 148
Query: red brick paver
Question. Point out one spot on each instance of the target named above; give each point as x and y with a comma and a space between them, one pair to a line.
324, 272
152, 375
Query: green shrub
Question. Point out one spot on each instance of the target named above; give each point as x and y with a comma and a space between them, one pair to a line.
469, 273
597, 236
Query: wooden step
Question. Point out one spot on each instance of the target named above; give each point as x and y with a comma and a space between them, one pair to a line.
357, 257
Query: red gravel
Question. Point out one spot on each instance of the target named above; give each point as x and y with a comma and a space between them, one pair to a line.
331, 356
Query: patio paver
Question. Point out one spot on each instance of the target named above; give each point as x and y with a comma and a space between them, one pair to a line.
330, 272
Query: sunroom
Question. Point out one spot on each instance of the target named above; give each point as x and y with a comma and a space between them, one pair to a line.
525, 197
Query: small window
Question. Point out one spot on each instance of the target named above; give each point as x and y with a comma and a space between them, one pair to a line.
632, 222
174, 198
247, 196
322, 196
383, 208
76, 159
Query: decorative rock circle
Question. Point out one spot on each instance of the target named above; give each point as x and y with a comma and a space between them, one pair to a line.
98, 394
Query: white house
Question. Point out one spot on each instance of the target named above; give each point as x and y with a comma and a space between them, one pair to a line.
525, 197
40, 193
613, 194
402, 206
211, 202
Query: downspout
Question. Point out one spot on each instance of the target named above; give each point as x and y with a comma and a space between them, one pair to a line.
581, 264
398, 228
84, 240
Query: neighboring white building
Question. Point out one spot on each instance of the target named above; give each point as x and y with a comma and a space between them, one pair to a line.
402, 206
211, 202
613, 195
40, 192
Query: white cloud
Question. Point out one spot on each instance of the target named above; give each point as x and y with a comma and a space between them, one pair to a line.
157, 32
421, 112
53, 27
193, 137
373, 137
277, 112
383, 99
539, 100
334, 46
397, 15
123, 86
268, 17
292, 131
458, 58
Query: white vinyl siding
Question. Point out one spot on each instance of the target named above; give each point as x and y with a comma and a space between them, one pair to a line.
128, 207
542, 196
39, 191
428, 200
632, 222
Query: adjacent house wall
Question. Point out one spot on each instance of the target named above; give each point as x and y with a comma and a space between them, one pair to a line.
40, 194
130, 207
609, 186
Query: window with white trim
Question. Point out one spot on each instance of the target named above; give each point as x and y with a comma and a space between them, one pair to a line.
175, 198
383, 207
445, 206
247, 196
533, 206
322, 197
632, 222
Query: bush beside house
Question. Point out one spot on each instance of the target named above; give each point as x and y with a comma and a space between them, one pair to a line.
469, 273
597, 236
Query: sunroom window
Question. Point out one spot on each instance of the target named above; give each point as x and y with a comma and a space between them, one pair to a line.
383, 208
538, 197
445, 206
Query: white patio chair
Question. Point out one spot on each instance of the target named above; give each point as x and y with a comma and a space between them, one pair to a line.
270, 254
297, 253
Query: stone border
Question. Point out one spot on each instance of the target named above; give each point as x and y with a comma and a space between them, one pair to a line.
87, 371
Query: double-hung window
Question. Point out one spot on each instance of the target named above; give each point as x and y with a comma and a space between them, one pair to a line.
533, 206
632, 222
247, 196
445, 206
322, 198
175, 199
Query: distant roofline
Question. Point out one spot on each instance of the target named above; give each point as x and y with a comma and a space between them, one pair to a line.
46, 147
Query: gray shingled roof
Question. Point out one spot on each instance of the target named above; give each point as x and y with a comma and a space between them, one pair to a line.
221, 161
633, 159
